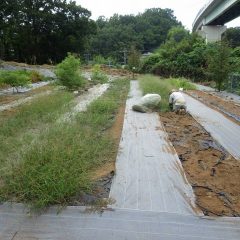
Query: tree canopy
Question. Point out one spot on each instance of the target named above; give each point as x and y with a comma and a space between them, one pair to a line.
41, 31
232, 36
146, 31
38, 31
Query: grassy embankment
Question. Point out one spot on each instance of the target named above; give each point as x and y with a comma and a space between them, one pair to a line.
59, 164
162, 86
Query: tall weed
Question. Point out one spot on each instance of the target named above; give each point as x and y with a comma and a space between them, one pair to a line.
163, 86
57, 167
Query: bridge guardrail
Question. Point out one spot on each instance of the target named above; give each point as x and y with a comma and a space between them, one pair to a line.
201, 11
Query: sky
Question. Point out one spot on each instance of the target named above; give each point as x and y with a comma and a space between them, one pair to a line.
184, 10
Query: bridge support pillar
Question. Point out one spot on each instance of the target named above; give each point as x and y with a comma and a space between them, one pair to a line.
212, 33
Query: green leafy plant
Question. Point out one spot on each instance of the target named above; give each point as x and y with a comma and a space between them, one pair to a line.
99, 60
134, 59
182, 55
97, 75
15, 79
182, 83
219, 64
68, 73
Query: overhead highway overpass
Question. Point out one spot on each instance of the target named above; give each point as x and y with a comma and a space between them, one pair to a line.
210, 20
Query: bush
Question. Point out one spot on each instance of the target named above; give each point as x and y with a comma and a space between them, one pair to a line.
68, 73
98, 76
233, 83
183, 55
15, 79
163, 68
219, 66
99, 60
1, 81
35, 76
182, 83
134, 59
149, 62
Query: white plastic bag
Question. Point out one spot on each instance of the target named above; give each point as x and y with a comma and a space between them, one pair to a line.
147, 103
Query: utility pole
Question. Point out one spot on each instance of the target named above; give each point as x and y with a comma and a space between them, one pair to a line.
124, 56
87, 57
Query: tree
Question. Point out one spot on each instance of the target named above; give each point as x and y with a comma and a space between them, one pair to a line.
134, 59
68, 73
235, 59
38, 31
219, 64
232, 36
146, 31
182, 55
177, 34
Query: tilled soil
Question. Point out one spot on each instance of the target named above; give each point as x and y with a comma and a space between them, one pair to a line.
116, 72
6, 99
100, 190
229, 108
212, 172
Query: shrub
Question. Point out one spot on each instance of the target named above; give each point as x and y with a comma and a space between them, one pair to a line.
35, 76
98, 76
99, 59
233, 83
182, 83
68, 73
1, 81
149, 62
219, 64
15, 79
134, 59
163, 68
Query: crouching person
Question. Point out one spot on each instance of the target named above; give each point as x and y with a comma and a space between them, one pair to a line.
177, 102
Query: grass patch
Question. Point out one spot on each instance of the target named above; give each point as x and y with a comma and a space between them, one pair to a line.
162, 86
20, 76
98, 75
18, 127
59, 165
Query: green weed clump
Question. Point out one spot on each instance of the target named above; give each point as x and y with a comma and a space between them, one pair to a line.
98, 76
99, 59
68, 73
19, 128
58, 166
19, 78
15, 79
162, 86
182, 83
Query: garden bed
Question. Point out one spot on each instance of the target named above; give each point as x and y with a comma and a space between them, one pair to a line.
212, 172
